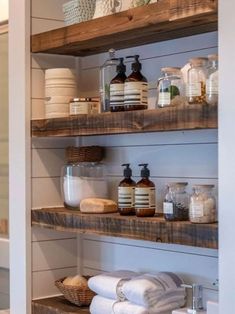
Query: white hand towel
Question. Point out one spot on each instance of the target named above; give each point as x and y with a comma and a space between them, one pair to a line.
148, 289
101, 305
109, 285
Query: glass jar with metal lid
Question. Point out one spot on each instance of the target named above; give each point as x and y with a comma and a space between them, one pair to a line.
196, 86
212, 86
84, 106
176, 202
170, 87
202, 208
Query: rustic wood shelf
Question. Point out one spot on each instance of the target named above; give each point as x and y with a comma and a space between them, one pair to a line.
191, 117
164, 20
154, 229
56, 305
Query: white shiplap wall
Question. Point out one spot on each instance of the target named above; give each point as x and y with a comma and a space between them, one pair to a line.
184, 156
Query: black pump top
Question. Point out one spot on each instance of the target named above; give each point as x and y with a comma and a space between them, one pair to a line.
136, 65
127, 171
121, 68
145, 173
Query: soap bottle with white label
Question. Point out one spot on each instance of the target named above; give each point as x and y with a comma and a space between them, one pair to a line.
145, 196
117, 88
136, 88
126, 193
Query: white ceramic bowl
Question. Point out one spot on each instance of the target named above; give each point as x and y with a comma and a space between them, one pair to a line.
58, 100
61, 91
60, 73
57, 108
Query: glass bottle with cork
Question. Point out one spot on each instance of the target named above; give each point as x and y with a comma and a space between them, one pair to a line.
136, 88
145, 198
212, 82
196, 87
126, 193
117, 88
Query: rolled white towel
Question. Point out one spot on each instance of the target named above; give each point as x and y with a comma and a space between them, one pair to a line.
109, 285
148, 289
101, 305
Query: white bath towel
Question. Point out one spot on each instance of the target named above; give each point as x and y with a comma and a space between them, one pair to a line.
109, 285
148, 289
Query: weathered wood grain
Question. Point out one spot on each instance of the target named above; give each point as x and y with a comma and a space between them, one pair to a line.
164, 20
190, 117
154, 229
4, 226
56, 305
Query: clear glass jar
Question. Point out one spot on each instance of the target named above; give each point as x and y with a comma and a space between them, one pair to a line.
82, 180
107, 73
176, 202
212, 82
202, 208
169, 87
196, 86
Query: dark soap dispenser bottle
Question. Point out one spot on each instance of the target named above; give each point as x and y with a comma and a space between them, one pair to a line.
117, 88
126, 193
145, 199
136, 88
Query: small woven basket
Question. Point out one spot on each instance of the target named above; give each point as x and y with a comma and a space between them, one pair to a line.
84, 154
76, 295
77, 11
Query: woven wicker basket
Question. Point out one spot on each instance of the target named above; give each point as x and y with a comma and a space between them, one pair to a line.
77, 11
84, 154
75, 295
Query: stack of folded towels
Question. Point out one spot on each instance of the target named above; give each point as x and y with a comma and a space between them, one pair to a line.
126, 292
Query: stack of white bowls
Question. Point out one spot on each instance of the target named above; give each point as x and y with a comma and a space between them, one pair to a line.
60, 88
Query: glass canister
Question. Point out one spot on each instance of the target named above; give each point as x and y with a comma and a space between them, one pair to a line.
107, 73
82, 179
196, 86
202, 208
212, 82
176, 202
170, 87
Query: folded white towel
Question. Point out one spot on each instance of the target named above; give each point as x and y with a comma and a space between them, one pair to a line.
148, 289
101, 305
109, 285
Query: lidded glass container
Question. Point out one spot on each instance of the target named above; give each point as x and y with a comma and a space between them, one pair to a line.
176, 202
83, 176
202, 208
196, 86
169, 87
107, 73
212, 82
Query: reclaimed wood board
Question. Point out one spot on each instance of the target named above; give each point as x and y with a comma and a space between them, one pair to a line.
57, 305
154, 229
164, 20
189, 117
3, 226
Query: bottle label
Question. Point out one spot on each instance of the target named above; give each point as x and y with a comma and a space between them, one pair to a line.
197, 210
164, 98
116, 94
136, 93
194, 89
145, 197
167, 208
212, 87
126, 197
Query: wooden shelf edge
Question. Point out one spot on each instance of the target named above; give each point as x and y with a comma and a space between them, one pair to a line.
56, 305
164, 20
191, 117
149, 229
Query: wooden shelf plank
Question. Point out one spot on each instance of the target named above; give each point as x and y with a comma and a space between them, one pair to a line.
152, 229
57, 305
190, 117
164, 20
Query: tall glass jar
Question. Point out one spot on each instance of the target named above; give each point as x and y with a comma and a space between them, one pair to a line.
82, 180
196, 86
212, 85
107, 73
169, 87
202, 208
176, 202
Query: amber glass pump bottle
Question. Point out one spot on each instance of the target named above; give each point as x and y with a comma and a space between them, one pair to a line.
126, 193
